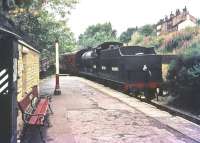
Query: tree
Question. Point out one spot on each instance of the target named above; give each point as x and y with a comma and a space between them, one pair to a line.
125, 37
33, 19
183, 77
147, 30
43, 29
137, 39
97, 34
198, 21
17, 6
4, 5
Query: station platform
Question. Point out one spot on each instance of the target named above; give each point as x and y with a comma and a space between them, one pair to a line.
88, 112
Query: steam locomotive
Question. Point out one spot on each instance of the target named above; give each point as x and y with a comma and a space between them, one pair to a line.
133, 68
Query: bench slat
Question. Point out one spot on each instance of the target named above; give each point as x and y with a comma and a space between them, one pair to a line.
41, 108
24, 103
39, 112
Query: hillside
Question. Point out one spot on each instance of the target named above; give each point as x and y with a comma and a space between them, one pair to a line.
178, 43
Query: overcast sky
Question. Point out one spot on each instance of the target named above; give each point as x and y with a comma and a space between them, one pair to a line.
125, 13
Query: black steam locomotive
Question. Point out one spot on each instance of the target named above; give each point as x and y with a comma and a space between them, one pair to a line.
132, 68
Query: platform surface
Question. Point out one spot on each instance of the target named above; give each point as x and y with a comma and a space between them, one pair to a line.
87, 112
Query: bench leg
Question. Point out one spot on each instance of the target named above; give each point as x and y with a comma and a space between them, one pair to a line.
41, 135
50, 98
50, 109
47, 121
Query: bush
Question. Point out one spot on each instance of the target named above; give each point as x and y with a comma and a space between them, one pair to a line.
178, 40
183, 79
155, 41
137, 39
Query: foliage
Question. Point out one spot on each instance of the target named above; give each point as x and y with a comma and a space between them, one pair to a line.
137, 39
19, 6
28, 3
179, 41
147, 30
34, 19
156, 41
198, 21
125, 36
57, 7
147, 41
4, 5
96, 34
184, 74
61, 7
44, 30
174, 43
146, 36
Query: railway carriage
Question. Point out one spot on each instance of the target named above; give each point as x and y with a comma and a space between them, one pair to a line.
71, 62
68, 63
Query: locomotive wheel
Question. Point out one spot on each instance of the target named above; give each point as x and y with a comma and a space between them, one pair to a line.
149, 94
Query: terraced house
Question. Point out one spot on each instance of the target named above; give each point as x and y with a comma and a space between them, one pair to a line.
175, 22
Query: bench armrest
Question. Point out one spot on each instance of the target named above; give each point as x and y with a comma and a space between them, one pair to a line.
33, 104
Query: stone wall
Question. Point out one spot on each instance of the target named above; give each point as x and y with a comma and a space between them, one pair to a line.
28, 70
28, 76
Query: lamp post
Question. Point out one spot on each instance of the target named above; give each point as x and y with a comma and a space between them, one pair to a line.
57, 90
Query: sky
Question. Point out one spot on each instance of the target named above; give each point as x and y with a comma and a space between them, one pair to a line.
125, 13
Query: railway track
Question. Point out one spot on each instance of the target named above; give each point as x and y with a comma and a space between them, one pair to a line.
170, 110
177, 112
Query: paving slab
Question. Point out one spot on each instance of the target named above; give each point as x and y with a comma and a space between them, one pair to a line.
87, 112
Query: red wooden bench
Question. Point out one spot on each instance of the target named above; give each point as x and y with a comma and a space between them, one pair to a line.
35, 110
